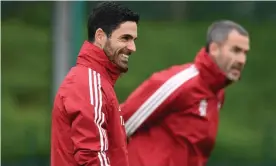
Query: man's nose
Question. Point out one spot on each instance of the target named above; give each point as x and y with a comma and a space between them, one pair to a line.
131, 46
242, 59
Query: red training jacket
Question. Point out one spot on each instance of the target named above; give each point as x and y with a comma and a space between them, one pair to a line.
172, 118
87, 126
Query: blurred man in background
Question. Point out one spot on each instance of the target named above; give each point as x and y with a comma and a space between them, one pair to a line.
172, 117
87, 127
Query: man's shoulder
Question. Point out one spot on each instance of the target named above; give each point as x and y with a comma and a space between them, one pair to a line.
176, 68
179, 73
175, 71
81, 79
84, 76
77, 76
184, 79
86, 84
177, 80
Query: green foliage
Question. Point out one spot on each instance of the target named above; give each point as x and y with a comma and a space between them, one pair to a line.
26, 85
25, 89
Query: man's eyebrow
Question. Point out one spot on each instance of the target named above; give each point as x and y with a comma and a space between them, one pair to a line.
241, 49
129, 35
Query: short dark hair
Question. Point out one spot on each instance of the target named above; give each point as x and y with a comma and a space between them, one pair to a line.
108, 16
218, 31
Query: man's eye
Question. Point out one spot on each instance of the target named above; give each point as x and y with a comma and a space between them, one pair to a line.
236, 50
125, 38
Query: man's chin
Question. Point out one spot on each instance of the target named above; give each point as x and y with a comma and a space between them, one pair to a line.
233, 78
123, 68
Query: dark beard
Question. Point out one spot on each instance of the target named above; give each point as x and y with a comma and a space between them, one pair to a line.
108, 51
228, 81
112, 56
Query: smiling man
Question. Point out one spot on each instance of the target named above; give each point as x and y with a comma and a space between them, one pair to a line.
87, 126
172, 118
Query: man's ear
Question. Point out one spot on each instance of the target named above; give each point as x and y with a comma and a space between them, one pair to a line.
100, 36
214, 49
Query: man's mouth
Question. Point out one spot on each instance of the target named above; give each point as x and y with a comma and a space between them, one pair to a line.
125, 57
236, 71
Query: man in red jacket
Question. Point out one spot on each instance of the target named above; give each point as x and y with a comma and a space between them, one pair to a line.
172, 118
87, 126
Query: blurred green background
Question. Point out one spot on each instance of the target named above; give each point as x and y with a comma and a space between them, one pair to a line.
169, 33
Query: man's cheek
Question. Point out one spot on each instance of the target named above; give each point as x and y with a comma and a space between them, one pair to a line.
117, 58
230, 62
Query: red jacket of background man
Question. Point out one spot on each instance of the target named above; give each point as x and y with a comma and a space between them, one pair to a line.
172, 118
87, 127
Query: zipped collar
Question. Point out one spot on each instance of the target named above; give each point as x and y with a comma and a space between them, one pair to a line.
210, 72
94, 57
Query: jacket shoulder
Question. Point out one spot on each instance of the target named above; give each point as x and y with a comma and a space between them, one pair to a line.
168, 73
177, 82
190, 87
81, 80
75, 78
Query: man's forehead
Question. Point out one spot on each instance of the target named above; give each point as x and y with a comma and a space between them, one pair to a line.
239, 40
127, 28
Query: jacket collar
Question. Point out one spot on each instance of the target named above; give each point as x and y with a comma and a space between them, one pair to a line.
94, 57
210, 72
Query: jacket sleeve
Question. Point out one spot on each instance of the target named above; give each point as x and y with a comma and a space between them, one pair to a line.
155, 97
84, 106
145, 104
